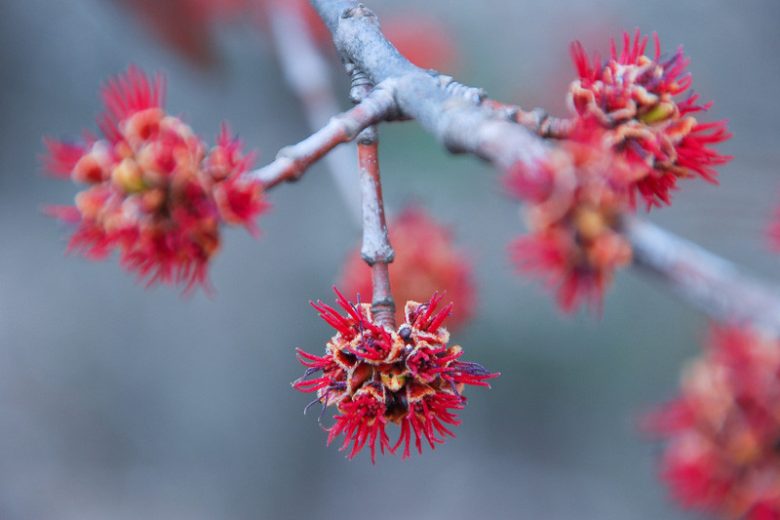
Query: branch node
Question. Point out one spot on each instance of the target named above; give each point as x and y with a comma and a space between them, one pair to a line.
358, 11
367, 136
473, 95
361, 84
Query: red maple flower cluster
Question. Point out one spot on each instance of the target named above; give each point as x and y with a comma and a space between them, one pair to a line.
723, 432
426, 260
574, 243
374, 376
634, 98
631, 135
154, 192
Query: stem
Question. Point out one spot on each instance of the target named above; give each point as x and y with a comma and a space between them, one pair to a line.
376, 249
293, 161
306, 72
457, 121
707, 281
464, 121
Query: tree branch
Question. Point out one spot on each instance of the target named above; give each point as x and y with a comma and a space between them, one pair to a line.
292, 161
704, 279
457, 121
537, 120
464, 122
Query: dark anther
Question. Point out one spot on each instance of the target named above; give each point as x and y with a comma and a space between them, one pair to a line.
405, 332
395, 403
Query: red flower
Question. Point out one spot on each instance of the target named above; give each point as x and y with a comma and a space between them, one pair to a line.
375, 376
723, 431
425, 260
575, 204
187, 25
154, 193
423, 40
634, 97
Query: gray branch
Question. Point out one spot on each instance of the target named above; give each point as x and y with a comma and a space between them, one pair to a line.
463, 121
704, 279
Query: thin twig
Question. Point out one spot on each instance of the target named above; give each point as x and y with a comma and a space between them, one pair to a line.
376, 250
466, 124
292, 161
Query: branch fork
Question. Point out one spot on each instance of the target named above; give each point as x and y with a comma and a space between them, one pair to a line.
464, 120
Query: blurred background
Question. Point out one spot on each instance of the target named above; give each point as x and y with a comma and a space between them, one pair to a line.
124, 403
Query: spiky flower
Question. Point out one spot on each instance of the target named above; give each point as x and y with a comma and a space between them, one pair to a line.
375, 376
574, 242
723, 432
636, 98
154, 193
426, 260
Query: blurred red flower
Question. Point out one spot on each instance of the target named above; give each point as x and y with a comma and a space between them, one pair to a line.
154, 192
425, 41
426, 260
574, 242
723, 431
186, 25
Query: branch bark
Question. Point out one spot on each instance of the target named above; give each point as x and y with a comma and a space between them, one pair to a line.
463, 122
704, 279
536, 120
293, 161
459, 122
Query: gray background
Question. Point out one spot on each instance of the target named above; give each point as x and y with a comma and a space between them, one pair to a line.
124, 403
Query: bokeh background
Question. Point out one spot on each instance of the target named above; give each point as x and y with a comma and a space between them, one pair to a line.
124, 403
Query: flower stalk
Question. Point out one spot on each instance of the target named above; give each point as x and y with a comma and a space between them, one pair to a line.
376, 250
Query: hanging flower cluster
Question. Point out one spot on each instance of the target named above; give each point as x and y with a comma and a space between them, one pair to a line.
374, 376
154, 192
573, 215
426, 260
723, 432
635, 99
